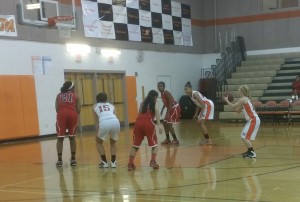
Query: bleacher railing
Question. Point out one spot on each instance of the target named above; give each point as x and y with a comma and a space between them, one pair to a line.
230, 59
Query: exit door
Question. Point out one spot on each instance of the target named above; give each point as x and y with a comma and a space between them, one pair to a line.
88, 85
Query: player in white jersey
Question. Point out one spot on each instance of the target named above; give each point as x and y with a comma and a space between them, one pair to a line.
107, 124
206, 112
253, 122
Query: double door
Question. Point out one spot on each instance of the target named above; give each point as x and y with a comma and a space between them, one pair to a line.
89, 84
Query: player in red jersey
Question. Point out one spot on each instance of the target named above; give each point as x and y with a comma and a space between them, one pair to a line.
296, 88
172, 114
67, 107
144, 127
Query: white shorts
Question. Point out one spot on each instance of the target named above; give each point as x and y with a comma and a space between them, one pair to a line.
251, 128
208, 111
109, 127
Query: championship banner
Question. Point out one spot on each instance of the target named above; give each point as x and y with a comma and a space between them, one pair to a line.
158, 36
132, 4
178, 39
134, 33
155, 6
151, 21
8, 25
176, 9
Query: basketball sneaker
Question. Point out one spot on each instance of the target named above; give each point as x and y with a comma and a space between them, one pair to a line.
175, 142
103, 165
244, 153
166, 141
205, 142
250, 154
59, 163
73, 163
131, 167
154, 165
113, 164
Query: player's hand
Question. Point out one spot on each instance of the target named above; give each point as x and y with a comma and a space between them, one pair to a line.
199, 120
160, 130
225, 98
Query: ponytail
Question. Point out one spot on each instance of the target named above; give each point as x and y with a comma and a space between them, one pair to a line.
149, 102
68, 85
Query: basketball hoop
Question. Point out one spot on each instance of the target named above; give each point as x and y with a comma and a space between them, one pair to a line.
63, 23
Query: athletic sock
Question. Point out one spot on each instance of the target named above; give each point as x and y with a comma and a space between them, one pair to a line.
250, 149
113, 158
59, 156
103, 157
206, 136
73, 156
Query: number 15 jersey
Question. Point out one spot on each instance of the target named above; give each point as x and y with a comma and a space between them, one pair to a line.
105, 111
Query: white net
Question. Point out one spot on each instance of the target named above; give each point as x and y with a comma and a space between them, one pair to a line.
64, 25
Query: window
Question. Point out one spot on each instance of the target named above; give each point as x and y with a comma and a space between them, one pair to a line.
269, 5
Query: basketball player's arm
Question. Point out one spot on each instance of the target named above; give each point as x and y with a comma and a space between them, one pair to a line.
115, 112
169, 99
196, 112
56, 104
157, 116
162, 109
96, 118
200, 104
78, 105
237, 106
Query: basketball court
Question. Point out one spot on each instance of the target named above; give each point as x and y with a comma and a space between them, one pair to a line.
187, 173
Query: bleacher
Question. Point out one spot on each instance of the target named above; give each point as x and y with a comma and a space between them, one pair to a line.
269, 77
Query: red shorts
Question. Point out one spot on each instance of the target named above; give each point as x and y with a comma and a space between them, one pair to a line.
174, 114
66, 120
144, 128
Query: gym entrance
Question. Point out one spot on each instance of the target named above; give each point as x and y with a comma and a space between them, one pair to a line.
89, 84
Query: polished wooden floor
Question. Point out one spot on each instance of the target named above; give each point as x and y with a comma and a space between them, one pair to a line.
187, 172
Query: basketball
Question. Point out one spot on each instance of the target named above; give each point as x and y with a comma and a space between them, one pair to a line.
229, 95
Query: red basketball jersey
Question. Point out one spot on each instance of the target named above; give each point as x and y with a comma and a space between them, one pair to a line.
167, 103
66, 101
296, 85
144, 126
147, 115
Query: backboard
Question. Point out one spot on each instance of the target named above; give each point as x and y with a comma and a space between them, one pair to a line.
37, 12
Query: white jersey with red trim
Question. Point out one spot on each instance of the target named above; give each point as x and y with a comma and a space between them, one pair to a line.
203, 98
250, 130
208, 111
248, 111
105, 111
